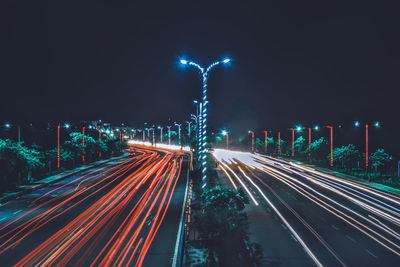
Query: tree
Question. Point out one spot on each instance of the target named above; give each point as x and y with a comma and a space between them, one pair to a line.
223, 226
379, 158
344, 154
17, 162
299, 145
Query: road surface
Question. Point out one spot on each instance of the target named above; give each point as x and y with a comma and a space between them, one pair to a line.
303, 217
124, 213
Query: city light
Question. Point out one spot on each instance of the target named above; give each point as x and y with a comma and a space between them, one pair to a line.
298, 128
183, 61
377, 124
224, 132
66, 126
7, 125
356, 123
227, 60
316, 127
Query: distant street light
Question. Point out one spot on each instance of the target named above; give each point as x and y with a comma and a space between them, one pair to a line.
169, 134
252, 141
203, 130
179, 131
189, 122
161, 133
279, 143
226, 133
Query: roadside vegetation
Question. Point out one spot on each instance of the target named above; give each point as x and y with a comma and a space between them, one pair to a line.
23, 164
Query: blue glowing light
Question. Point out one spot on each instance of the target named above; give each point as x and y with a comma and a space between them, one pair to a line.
66, 126
376, 124
316, 127
183, 61
298, 128
8, 125
227, 60
356, 123
224, 132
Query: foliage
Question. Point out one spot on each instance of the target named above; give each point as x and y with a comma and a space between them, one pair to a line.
379, 158
17, 162
223, 226
300, 145
344, 154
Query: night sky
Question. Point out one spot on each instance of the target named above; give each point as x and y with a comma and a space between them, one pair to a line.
293, 62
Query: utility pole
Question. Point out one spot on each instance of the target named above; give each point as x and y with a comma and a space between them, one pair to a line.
292, 141
309, 142
99, 141
169, 134
83, 143
19, 134
161, 133
331, 129
279, 143
58, 146
252, 141
266, 141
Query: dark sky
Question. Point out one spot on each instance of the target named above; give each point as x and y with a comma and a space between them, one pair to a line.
309, 62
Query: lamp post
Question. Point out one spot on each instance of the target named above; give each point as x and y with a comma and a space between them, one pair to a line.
189, 130
83, 144
279, 143
148, 133
179, 131
252, 141
161, 133
292, 141
266, 141
226, 133
99, 141
58, 146
169, 134
377, 125
331, 130
203, 140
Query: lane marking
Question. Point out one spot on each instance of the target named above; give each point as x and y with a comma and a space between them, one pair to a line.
350, 238
370, 253
334, 227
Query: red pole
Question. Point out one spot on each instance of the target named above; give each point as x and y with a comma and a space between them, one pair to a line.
120, 141
366, 146
266, 141
83, 143
292, 141
252, 141
309, 142
99, 141
227, 138
279, 143
58, 146
331, 128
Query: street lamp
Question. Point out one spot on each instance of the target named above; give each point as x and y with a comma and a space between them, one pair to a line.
169, 134
292, 141
266, 141
252, 141
203, 117
189, 122
179, 131
226, 133
161, 130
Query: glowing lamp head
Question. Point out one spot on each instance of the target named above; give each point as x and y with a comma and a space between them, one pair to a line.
316, 127
227, 60
195, 101
67, 126
377, 124
7, 125
356, 123
183, 61
298, 128
224, 132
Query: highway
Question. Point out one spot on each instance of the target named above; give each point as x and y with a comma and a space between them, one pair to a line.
304, 217
124, 213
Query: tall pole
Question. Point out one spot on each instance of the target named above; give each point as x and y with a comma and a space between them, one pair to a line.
161, 133
99, 141
266, 141
19, 134
331, 129
144, 135
366, 147
58, 146
83, 143
154, 139
179, 132
279, 143
189, 130
292, 141
252, 141
120, 140
169, 134
204, 74
227, 140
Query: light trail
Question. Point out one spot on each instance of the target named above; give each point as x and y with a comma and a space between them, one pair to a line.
355, 202
140, 187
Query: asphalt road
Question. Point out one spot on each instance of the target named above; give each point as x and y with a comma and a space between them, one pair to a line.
124, 213
303, 217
